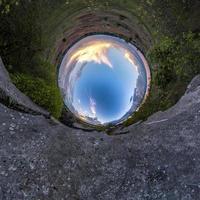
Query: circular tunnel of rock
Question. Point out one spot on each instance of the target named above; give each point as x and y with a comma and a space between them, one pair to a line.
154, 154
115, 23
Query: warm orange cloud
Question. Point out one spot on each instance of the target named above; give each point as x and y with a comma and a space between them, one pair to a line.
94, 51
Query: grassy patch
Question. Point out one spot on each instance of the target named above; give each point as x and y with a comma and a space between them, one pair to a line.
45, 94
22, 47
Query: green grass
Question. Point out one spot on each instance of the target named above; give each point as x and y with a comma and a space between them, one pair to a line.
21, 47
40, 85
45, 94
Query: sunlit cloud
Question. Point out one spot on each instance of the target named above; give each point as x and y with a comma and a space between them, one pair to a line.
96, 51
131, 59
85, 114
93, 106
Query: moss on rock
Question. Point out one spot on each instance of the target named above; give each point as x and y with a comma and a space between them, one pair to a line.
45, 94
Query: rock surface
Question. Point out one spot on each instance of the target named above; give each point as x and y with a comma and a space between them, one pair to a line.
12, 97
156, 159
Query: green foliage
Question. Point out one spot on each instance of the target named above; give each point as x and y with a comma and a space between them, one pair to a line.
5, 5
44, 69
162, 55
45, 94
21, 42
21, 47
177, 59
175, 62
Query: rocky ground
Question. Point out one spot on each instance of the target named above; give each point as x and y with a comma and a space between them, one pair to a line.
157, 159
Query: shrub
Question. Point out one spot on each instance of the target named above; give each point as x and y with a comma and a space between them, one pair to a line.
177, 62
177, 59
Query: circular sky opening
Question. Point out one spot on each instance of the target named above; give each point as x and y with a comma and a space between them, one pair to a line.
103, 79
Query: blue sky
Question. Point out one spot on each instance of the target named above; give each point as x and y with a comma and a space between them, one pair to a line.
98, 77
110, 88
